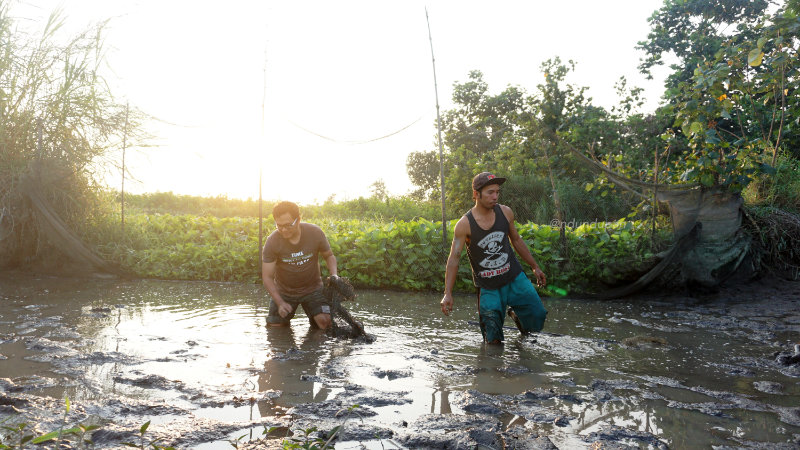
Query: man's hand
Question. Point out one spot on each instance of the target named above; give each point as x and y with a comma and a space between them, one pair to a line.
447, 304
541, 280
284, 309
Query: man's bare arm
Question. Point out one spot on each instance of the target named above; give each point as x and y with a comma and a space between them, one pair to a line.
268, 278
330, 261
451, 269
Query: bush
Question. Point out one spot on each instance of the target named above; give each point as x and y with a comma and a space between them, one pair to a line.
407, 255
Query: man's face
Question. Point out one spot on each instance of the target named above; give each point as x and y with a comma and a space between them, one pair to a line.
288, 226
489, 195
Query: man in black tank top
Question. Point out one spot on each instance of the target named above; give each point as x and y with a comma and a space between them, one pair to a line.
488, 231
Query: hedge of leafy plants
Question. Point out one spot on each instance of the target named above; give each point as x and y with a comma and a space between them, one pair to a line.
405, 255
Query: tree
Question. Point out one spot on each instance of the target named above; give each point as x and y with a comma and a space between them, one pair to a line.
378, 189
693, 31
423, 171
736, 109
503, 133
57, 115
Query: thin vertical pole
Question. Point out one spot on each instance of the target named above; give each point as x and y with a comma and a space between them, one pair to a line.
655, 196
261, 164
439, 129
124, 146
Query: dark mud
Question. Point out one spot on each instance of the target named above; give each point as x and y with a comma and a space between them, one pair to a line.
196, 361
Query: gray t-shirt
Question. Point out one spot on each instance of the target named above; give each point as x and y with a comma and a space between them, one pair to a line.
297, 265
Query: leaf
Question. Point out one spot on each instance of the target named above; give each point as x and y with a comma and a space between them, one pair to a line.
696, 127
707, 179
143, 428
689, 174
761, 41
711, 137
754, 57
45, 437
768, 169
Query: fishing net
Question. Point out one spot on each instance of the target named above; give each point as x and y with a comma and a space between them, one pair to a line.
343, 325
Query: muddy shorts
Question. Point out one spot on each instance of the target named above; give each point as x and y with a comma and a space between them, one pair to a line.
521, 297
313, 304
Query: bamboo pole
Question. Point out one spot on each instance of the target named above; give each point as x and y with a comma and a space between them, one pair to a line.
439, 129
124, 146
261, 164
655, 198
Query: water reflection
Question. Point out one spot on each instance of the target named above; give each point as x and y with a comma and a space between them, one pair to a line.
293, 368
197, 346
440, 396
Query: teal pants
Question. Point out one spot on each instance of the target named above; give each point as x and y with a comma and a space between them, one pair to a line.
521, 297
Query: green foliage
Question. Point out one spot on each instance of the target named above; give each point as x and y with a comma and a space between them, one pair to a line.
399, 255
595, 250
310, 440
407, 255
780, 191
17, 436
693, 31
59, 123
184, 247
735, 110
378, 207
143, 443
177, 204
513, 134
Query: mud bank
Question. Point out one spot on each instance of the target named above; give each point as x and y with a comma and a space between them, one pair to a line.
196, 360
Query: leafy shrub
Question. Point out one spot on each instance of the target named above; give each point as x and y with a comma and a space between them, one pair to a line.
406, 255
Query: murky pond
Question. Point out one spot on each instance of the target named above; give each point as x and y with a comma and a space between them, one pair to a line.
197, 360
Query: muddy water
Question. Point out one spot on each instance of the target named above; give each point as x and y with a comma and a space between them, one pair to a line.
197, 360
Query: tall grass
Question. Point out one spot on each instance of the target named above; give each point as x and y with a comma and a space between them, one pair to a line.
59, 125
781, 190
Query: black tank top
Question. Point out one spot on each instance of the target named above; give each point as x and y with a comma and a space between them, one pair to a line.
493, 261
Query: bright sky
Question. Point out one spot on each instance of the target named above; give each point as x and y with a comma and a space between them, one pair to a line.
350, 71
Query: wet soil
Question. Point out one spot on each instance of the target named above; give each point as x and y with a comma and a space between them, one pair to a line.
197, 361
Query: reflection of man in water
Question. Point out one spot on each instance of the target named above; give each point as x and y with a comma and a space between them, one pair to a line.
489, 233
290, 268
291, 369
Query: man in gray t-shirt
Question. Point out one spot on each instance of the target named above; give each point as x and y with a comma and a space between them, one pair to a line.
290, 268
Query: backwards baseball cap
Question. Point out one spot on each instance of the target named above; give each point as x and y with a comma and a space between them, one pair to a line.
484, 178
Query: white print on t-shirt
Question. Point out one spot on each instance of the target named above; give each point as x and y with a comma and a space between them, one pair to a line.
297, 259
492, 246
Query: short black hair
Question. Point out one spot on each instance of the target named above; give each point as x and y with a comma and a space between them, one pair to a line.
286, 207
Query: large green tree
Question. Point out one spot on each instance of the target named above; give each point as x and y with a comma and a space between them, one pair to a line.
513, 133
736, 109
692, 31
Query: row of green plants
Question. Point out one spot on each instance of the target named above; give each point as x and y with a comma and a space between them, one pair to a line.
405, 255
375, 207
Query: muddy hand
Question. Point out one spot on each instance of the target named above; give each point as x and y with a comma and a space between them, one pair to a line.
541, 279
284, 309
447, 305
